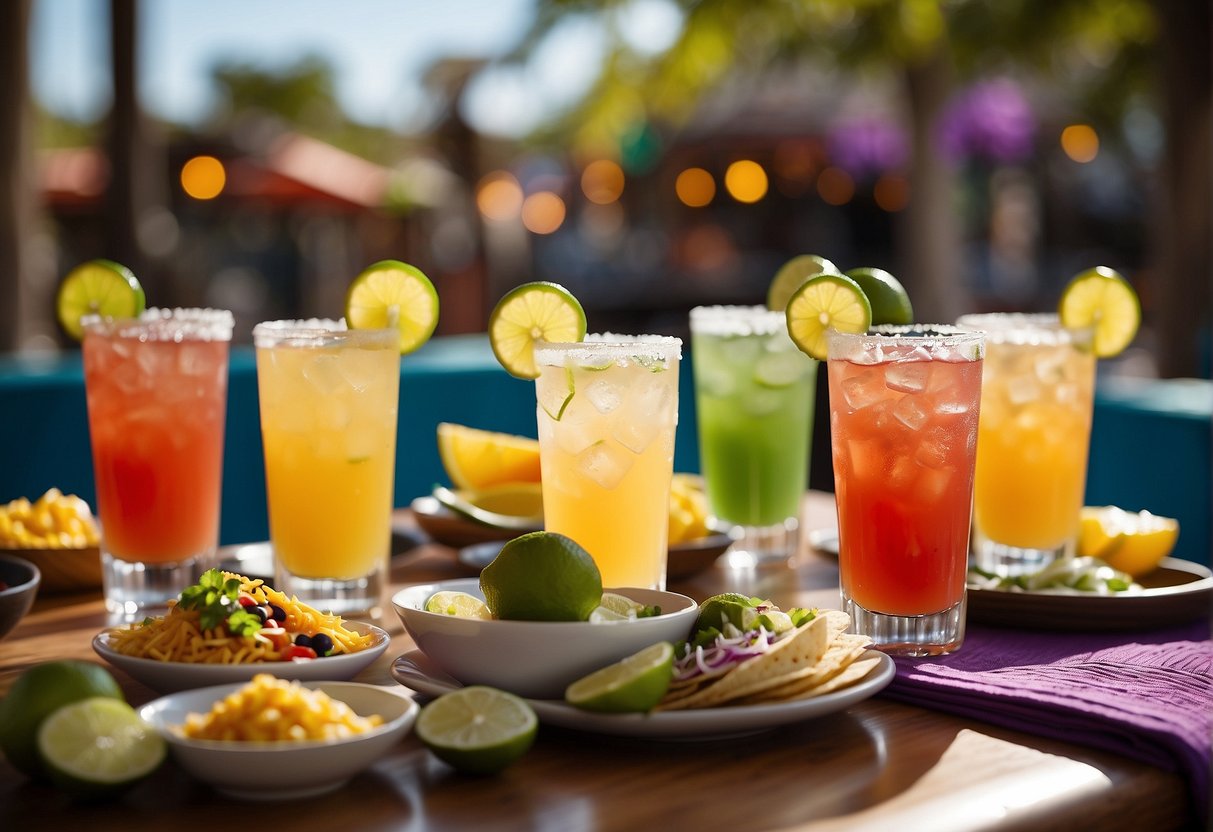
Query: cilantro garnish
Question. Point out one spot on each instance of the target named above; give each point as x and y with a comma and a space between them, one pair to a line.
217, 600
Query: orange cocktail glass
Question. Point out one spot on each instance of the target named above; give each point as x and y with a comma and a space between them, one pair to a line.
903, 419
157, 396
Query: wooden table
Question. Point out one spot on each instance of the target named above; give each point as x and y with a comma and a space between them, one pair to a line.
880, 765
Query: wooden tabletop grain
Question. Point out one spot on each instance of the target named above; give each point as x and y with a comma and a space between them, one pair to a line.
880, 765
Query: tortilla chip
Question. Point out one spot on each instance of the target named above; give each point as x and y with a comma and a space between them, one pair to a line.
855, 672
803, 649
839, 621
837, 658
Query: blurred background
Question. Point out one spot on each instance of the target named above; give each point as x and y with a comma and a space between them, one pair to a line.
650, 155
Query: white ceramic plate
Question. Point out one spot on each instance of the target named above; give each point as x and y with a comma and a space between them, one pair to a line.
414, 670
282, 770
166, 677
825, 541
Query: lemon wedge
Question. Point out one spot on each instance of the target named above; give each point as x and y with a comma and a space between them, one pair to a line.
1133, 542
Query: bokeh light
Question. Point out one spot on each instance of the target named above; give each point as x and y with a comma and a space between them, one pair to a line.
891, 192
835, 186
1080, 142
543, 212
695, 187
602, 182
203, 177
746, 181
499, 196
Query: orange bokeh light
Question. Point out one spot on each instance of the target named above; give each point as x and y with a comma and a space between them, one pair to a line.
746, 181
835, 186
499, 196
891, 192
602, 182
203, 177
1080, 142
695, 187
543, 212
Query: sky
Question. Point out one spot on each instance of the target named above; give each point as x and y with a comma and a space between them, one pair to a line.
379, 49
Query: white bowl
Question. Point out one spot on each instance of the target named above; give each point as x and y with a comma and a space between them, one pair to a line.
282, 770
166, 677
535, 659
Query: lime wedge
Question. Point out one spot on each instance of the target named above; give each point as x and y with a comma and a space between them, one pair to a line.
792, 275
889, 299
827, 301
98, 287
458, 604
538, 311
394, 295
98, 746
1101, 300
633, 685
477, 729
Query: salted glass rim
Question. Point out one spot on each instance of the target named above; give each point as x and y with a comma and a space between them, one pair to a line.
911, 340
320, 332
600, 345
165, 324
732, 320
1026, 328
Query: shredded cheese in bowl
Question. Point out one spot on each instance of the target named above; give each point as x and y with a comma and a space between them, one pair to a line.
269, 709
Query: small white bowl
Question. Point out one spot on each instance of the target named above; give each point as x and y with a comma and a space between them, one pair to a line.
535, 659
166, 677
282, 770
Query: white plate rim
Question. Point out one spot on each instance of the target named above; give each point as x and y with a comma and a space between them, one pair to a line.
171, 677
701, 723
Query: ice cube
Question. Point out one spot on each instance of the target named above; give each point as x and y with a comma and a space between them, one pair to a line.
1049, 367
323, 372
951, 402
867, 457
194, 359
933, 450
864, 389
902, 473
649, 408
605, 464
911, 377
604, 395
761, 402
716, 381
1022, 389
361, 368
332, 414
910, 412
933, 483
554, 391
575, 435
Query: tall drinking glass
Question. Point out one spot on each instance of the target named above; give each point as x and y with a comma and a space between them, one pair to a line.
328, 426
904, 404
754, 394
607, 410
157, 393
1032, 441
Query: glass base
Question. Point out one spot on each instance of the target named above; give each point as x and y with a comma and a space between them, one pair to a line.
357, 597
133, 589
909, 635
754, 545
1008, 561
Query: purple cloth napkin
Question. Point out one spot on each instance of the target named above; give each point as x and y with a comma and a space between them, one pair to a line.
1147, 696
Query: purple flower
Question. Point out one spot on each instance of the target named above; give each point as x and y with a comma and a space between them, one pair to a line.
868, 146
991, 120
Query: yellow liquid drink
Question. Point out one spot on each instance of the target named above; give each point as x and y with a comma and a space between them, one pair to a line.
328, 426
1032, 441
607, 413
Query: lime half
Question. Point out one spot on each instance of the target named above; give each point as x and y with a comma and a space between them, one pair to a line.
97, 746
889, 299
394, 295
537, 311
634, 685
1101, 300
477, 729
827, 301
458, 604
792, 275
98, 287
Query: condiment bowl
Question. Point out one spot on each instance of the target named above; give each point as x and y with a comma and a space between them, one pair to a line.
282, 770
535, 659
20, 580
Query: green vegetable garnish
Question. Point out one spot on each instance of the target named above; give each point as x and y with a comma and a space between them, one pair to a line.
218, 600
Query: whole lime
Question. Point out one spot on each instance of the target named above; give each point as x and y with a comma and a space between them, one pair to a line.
542, 576
889, 299
37, 693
